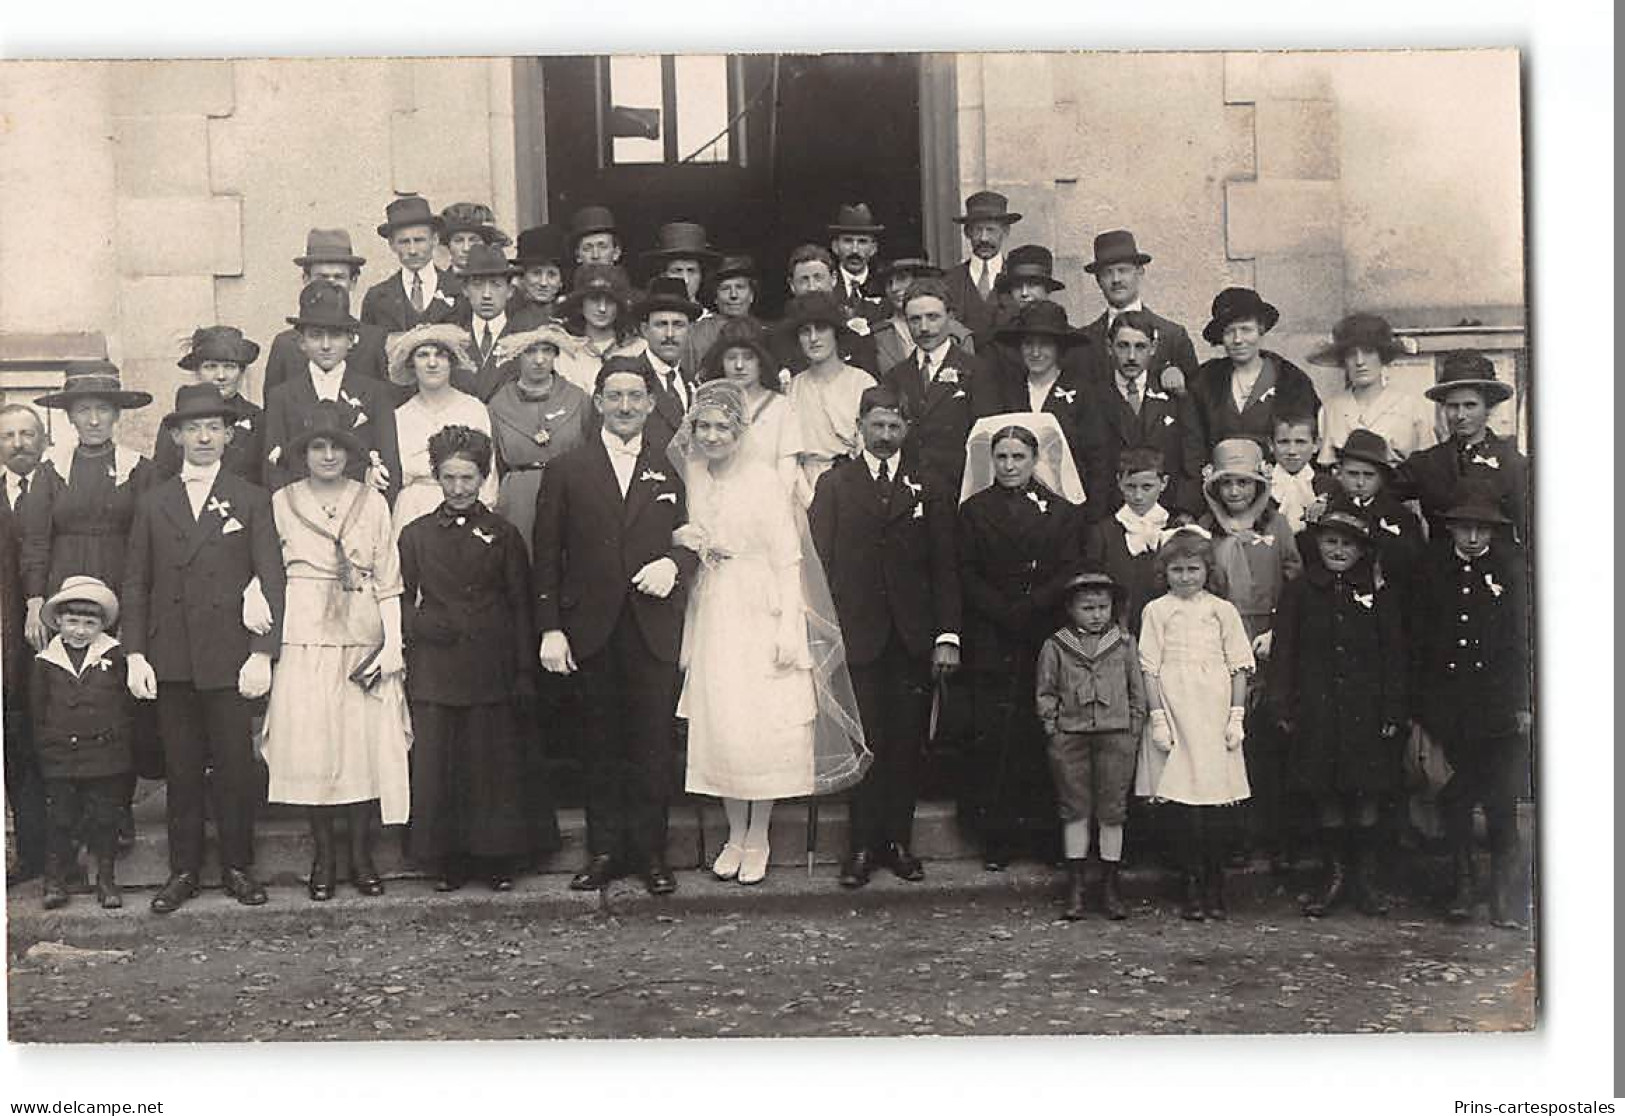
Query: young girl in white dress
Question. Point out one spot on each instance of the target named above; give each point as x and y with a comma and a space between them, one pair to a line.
1197, 659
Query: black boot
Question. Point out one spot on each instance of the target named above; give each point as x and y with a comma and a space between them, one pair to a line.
1368, 893
1504, 889
108, 892
1191, 908
1460, 906
1111, 900
1213, 893
1075, 877
1331, 889
54, 891
363, 873
323, 870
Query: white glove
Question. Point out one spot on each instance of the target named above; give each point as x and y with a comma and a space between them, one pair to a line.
1262, 645
254, 680
1235, 731
1162, 733
139, 677
555, 655
657, 579
377, 471
390, 659
256, 609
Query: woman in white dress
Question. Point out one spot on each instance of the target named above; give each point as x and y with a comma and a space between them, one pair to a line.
769, 704
337, 733
824, 398
741, 356
426, 356
1363, 346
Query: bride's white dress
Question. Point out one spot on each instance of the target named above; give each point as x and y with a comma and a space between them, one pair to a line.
750, 722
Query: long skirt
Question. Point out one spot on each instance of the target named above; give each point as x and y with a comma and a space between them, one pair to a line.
1008, 789
468, 782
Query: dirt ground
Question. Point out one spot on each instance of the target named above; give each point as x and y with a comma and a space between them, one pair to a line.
950, 964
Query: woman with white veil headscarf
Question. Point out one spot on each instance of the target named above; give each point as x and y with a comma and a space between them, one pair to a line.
1020, 528
770, 708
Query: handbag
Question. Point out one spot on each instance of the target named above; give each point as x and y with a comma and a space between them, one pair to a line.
366, 674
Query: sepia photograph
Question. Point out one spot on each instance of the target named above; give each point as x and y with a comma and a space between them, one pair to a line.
771, 544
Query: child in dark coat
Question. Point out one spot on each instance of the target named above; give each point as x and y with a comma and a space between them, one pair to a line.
1091, 700
1124, 544
1338, 682
82, 715
1396, 534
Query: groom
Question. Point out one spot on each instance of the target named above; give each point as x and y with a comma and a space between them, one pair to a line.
610, 591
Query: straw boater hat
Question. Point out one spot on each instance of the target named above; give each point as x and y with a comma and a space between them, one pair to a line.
1476, 501
591, 279
218, 343
855, 219
453, 338
329, 419
324, 304
406, 211
1030, 261
1116, 246
681, 240
328, 246
81, 588
1043, 318
987, 205
1233, 304
1359, 331
667, 294
198, 401
1467, 368
93, 379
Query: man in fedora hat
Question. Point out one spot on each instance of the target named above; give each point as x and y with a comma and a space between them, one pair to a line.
1119, 269
419, 292
594, 236
986, 224
328, 257
198, 540
463, 226
854, 241
682, 251
812, 271
893, 341
326, 334
487, 285
540, 262
220, 355
665, 315
1467, 391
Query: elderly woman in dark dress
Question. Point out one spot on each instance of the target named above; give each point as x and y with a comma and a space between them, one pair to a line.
1019, 540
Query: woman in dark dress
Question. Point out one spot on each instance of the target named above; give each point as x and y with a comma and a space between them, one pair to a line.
1020, 536
470, 663
220, 355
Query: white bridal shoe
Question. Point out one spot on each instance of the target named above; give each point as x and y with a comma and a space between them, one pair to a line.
726, 865
753, 865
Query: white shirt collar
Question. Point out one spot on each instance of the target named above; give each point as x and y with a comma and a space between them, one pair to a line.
614, 444
431, 282
994, 267
56, 652
327, 383
893, 463
848, 279
1139, 382
206, 473
659, 365
496, 325
1113, 311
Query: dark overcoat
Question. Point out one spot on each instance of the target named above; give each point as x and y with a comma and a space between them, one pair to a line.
82, 722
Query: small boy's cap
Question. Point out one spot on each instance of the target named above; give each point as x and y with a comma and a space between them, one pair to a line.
1342, 516
1094, 581
1476, 501
90, 589
1366, 445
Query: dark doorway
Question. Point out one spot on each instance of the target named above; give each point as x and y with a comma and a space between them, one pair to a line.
797, 135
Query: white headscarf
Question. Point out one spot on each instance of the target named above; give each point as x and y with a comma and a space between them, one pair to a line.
1055, 468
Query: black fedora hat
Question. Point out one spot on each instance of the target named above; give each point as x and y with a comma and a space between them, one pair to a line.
1359, 331
1366, 445
324, 304
1233, 304
1045, 318
331, 420
488, 261
1469, 368
911, 259
591, 219
541, 244
218, 343
987, 205
406, 211
815, 307
681, 240
198, 401
1116, 246
734, 267
855, 218
328, 246
1476, 501
1029, 262
667, 294
93, 379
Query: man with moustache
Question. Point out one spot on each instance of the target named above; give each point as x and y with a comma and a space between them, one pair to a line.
1135, 411
936, 384
972, 293
1119, 269
22, 441
854, 241
664, 317
419, 292
328, 258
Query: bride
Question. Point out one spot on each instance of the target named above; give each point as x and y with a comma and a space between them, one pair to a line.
766, 693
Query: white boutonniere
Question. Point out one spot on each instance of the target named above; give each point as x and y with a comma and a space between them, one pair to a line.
914, 486
1151, 393
919, 511
483, 535
549, 416
1167, 420
231, 526
541, 437
1497, 589
1041, 503
1487, 462
947, 375
859, 326
220, 507
1366, 600
103, 664
1264, 540
652, 475
666, 498
360, 420
1067, 395
348, 399
245, 423
275, 455
1267, 394
442, 296
1391, 528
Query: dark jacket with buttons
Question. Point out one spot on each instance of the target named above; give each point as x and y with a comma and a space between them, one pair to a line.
1084, 689
466, 612
1472, 631
81, 721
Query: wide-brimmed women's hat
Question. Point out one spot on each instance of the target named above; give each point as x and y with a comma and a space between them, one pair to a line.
487, 261
453, 339
591, 279
987, 205
1468, 368
1342, 517
1234, 304
225, 343
855, 219
198, 401
81, 588
1477, 501
736, 267
815, 307
407, 211
474, 217
512, 345
1359, 331
329, 419
93, 379
1029, 262
1236, 457
737, 333
328, 246
591, 219
1116, 246
1367, 445
1042, 318
324, 304
1096, 581
539, 245
667, 294
912, 260
681, 240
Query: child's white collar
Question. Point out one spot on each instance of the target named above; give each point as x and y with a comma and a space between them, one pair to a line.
56, 653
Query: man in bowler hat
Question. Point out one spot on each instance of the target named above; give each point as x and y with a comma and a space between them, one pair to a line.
594, 236
328, 257
487, 286
419, 292
1119, 269
197, 541
971, 283
665, 314
854, 240
611, 588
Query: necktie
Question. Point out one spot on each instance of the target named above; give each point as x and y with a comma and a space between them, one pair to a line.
485, 343
417, 291
984, 281
883, 479
22, 490
925, 367
671, 386
1134, 397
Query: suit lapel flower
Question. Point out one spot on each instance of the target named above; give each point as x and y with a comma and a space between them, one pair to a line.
1068, 396
483, 535
1391, 528
1489, 462
1494, 586
1365, 600
1039, 502
652, 475
1268, 394
443, 297
908, 482
1152, 393
245, 423
947, 376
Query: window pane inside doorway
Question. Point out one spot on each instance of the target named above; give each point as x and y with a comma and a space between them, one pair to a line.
702, 107
634, 84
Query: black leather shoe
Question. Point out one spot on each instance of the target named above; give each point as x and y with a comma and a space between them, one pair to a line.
371, 883
597, 875
450, 882
904, 864
241, 885
857, 868
54, 895
180, 887
501, 883
320, 887
659, 880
